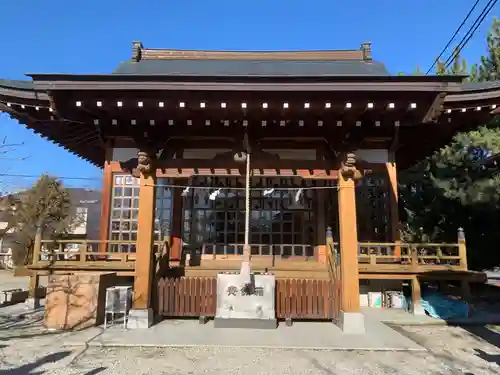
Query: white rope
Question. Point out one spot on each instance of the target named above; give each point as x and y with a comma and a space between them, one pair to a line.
247, 202
266, 191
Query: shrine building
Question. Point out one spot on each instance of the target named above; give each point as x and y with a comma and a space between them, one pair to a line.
327, 132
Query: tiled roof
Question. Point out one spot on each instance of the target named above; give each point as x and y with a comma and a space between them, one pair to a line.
254, 68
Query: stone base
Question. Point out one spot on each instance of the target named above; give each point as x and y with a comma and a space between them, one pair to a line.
245, 323
417, 309
32, 303
352, 322
140, 318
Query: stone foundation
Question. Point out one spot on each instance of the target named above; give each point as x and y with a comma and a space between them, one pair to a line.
352, 322
76, 301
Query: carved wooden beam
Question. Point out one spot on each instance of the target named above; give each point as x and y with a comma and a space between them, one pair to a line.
144, 164
21, 117
348, 165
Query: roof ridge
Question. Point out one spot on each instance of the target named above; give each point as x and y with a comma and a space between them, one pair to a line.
140, 53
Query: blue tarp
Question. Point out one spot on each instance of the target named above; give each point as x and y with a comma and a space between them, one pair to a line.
442, 307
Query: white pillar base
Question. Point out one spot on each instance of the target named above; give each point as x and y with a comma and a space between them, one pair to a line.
32, 303
417, 309
140, 318
352, 323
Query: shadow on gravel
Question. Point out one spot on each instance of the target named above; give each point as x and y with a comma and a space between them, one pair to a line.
29, 368
23, 326
488, 335
95, 371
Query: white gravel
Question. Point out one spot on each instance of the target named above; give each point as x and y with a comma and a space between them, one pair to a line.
26, 349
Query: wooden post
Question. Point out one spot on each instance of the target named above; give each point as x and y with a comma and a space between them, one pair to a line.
393, 203
33, 301
145, 242
320, 227
348, 242
141, 315
107, 188
37, 247
462, 249
416, 296
176, 228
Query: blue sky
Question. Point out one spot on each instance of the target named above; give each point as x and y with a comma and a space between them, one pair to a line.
90, 36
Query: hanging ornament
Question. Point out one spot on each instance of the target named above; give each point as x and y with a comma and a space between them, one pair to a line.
268, 192
298, 195
214, 194
185, 192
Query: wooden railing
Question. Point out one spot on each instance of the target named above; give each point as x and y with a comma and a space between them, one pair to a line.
416, 256
372, 256
221, 251
334, 271
86, 253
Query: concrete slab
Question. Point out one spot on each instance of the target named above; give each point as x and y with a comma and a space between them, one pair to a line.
302, 335
404, 318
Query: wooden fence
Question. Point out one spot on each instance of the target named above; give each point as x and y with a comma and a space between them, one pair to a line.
295, 298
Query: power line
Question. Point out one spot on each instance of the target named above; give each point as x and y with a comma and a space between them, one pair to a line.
471, 32
454, 35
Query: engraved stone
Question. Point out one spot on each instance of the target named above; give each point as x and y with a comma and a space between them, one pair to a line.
246, 300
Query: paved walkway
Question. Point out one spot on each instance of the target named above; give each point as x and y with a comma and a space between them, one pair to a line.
302, 335
403, 318
27, 348
8, 281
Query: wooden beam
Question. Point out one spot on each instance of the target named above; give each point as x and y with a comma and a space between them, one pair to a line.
436, 109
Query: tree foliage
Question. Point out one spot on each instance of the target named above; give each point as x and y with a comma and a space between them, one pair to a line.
453, 188
45, 207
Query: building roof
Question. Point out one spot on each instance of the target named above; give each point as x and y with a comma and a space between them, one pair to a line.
251, 63
47, 103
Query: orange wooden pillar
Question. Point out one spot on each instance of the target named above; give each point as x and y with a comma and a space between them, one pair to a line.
320, 226
351, 320
393, 202
141, 315
107, 188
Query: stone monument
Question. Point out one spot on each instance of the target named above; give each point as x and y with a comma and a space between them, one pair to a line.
245, 300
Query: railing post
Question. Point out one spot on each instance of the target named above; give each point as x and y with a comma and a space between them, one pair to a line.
37, 247
414, 257
33, 300
462, 248
329, 235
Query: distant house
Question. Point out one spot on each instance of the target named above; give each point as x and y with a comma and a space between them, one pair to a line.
85, 208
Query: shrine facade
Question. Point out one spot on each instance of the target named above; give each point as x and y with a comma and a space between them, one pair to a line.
327, 132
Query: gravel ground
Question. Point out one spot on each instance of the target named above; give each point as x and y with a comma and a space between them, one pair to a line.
26, 349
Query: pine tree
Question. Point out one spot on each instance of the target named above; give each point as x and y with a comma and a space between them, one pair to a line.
490, 64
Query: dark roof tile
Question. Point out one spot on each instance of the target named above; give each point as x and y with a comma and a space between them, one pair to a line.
235, 68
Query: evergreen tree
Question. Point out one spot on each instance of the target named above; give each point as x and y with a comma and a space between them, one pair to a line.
489, 70
46, 208
452, 188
